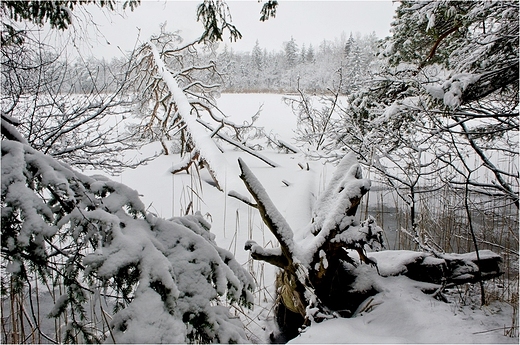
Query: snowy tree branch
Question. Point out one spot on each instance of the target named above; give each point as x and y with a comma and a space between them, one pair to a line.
270, 214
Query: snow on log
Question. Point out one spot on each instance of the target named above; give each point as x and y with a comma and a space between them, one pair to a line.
336, 186
464, 268
452, 269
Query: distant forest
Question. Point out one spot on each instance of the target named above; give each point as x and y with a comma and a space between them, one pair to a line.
313, 69
342, 64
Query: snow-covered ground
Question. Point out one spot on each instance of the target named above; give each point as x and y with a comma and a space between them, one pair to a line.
399, 314
403, 314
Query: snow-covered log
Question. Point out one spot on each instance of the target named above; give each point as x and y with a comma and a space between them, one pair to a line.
447, 269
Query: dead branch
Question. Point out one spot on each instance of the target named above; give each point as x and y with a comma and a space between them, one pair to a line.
239, 145
242, 198
270, 215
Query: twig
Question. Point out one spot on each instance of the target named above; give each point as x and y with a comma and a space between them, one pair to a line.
495, 329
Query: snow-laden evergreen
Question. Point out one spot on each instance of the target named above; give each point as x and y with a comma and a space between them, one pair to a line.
167, 280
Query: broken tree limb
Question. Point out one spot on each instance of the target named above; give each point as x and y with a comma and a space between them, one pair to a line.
217, 129
185, 163
273, 256
296, 290
270, 215
239, 145
288, 146
242, 198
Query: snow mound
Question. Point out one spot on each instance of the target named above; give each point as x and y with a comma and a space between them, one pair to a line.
401, 313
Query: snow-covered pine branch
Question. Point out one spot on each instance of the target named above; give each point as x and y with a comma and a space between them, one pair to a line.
167, 280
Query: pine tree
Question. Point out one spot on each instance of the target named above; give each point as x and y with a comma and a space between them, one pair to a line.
291, 53
258, 57
93, 238
310, 55
355, 64
303, 54
348, 46
57, 13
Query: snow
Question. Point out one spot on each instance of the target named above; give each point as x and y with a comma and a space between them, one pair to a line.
472, 256
399, 313
328, 199
146, 321
10, 131
393, 262
60, 304
345, 185
402, 314
455, 86
431, 21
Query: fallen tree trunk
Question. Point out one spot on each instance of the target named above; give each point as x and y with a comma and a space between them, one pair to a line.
448, 269
328, 272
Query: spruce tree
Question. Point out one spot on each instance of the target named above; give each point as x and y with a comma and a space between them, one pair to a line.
160, 281
257, 57
291, 52
310, 54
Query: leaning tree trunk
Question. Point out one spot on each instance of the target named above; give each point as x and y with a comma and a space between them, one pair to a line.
179, 92
318, 273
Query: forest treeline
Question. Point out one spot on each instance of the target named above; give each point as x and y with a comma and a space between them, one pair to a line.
314, 69
296, 65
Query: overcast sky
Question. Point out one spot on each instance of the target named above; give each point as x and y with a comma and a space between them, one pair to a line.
309, 22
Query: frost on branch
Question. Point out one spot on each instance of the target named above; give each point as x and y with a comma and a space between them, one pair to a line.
166, 280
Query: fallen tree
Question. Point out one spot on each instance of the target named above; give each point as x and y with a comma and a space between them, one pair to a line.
327, 268
176, 92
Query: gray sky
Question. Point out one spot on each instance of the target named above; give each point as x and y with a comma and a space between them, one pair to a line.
309, 22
